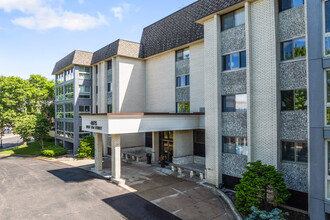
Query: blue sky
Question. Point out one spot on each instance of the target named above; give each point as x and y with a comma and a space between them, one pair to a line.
34, 34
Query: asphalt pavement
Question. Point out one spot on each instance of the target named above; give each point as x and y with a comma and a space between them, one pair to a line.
32, 188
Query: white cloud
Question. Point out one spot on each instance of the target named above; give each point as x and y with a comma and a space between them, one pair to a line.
81, 1
120, 11
42, 17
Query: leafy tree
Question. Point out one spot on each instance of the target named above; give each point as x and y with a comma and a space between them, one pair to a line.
86, 149
260, 186
41, 130
25, 126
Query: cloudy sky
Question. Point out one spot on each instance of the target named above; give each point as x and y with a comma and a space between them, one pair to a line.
34, 34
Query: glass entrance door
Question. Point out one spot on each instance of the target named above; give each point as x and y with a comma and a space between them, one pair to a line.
166, 145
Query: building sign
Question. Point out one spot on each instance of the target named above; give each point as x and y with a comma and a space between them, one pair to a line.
93, 126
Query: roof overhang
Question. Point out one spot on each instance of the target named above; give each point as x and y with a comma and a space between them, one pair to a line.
128, 123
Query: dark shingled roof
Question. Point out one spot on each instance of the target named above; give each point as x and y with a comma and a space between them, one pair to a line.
76, 57
180, 28
119, 47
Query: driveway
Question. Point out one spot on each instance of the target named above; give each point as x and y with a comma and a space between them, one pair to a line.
40, 189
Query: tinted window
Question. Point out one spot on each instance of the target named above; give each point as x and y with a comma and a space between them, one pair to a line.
243, 59
183, 107
234, 60
288, 151
302, 152
296, 3
301, 99
241, 103
109, 65
239, 17
287, 102
327, 16
229, 145
285, 4
226, 62
227, 21
287, 52
299, 47
228, 103
327, 45
328, 85
187, 80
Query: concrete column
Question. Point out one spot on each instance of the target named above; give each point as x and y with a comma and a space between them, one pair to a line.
155, 146
212, 67
115, 157
183, 144
98, 152
105, 144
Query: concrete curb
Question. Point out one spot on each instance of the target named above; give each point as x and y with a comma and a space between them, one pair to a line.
226, 199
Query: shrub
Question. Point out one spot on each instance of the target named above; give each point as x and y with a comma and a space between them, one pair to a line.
86, 149
275, 214
260, 186
49, 139
53, 151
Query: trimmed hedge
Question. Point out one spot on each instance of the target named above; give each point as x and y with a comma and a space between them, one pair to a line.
86, 149
53, 151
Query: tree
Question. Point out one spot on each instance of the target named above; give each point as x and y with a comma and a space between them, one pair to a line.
41, 130
260, 186
25, 126
86, 149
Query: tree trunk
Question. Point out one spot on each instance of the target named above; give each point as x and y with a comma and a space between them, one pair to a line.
41, 142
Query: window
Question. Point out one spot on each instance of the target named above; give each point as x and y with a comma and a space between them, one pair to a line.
60, 128
69, 110
60, 93
96, 89
84, 72
293, 49
182, 54
233, 19
109, 108
59, 111
84, 108
234, 61
96, 109
294, 100
294, 151
69, 74
96, 69
235, 145
182, 81
234, 103
109, 86
328, 97
69, 91
183, 107
69, 130
287, 4
327, 28
109, 65
84, 92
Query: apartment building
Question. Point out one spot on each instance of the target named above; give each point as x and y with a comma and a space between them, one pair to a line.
219, 84
73, 82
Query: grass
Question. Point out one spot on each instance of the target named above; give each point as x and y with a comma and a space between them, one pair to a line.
32, 149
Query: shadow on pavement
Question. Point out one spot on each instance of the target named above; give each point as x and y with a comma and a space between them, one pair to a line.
133, 206
75, 175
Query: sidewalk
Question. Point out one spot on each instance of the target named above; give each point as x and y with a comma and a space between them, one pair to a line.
183, 198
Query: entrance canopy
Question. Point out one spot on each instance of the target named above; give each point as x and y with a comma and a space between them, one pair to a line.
126, 123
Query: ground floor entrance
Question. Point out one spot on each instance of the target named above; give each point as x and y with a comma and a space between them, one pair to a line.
166, 145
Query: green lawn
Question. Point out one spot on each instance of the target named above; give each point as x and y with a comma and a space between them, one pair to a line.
32, 149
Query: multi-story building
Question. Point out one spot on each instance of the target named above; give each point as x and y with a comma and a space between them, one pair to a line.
73, 95
220, 84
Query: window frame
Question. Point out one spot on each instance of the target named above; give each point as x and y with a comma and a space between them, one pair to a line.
110, 86
236, 145
182, 51
84, 106
294, 99
235, 104
291, 6
84, 93
294, 58
240, 67
233, 19
295, 156
186, 79
109, 105
177, 107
